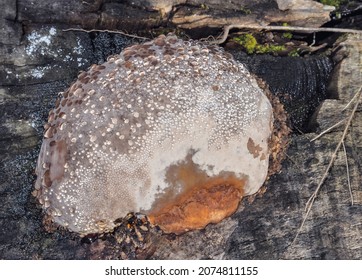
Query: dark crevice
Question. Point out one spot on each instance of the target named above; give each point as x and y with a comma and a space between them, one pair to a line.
16, 10
48, 82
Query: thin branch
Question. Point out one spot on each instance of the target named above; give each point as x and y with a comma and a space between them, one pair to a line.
311, 200
105, 30
350, 102
227, 29
328, 129
313, 197
347, 170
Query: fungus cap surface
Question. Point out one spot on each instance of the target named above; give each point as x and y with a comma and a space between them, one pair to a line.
171, 128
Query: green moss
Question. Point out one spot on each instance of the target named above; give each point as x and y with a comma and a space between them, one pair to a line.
269, 48
204, 7
246, 11
248, 41
251, 45
294, 52
335, 3
287, 35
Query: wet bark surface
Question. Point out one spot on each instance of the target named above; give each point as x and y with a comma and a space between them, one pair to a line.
38, 60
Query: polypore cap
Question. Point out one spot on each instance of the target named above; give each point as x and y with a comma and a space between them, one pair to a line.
174, 129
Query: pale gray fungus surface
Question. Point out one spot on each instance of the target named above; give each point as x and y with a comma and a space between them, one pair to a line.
175, 129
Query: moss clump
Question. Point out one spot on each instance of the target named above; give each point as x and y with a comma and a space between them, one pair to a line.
246, 11
335, 3
294, 52
251, 45
204, 6
248, 41
287, 35
269, 48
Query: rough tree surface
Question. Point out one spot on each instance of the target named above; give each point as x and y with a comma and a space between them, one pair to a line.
38, 60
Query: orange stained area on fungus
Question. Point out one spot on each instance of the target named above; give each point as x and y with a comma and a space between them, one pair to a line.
202, 199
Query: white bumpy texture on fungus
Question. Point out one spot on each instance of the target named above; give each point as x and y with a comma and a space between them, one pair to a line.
166, 128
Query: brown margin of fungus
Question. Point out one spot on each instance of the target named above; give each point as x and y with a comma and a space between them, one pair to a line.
279, 140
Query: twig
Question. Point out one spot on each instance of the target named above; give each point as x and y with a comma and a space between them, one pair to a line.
312, 48
350, 102
327, 130
311, 200
347, 170
289, 157
105, 30
227, 29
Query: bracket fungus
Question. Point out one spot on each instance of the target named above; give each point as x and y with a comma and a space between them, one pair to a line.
173, 129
